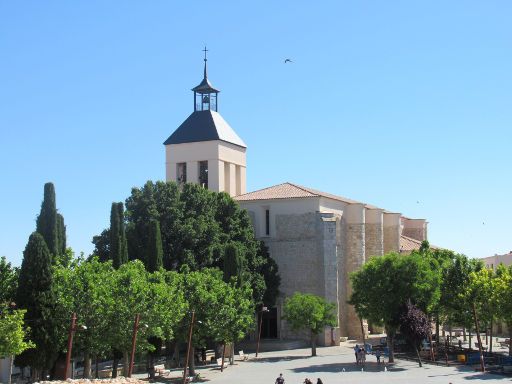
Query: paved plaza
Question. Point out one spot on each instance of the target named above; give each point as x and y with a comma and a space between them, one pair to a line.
296, 365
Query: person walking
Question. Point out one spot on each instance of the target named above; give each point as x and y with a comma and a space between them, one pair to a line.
356, 352
319, 381
280, 379
377, 355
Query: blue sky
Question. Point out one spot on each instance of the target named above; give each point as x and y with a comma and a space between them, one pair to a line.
402, 104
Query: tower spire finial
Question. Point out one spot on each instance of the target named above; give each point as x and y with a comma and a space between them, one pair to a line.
205, 60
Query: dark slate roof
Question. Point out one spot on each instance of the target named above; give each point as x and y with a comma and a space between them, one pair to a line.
204, 126
205, 87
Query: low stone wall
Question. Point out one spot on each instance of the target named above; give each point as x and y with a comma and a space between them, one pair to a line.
119, 380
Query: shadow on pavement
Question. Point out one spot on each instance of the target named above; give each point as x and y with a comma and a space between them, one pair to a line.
277, 359
347, 367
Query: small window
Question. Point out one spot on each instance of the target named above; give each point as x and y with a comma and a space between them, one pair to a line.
181, 173
203, 174
267, 222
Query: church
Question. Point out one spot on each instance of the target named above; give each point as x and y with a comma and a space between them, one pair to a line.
316, 238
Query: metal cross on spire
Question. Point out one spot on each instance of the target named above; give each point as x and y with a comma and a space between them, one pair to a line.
205, 60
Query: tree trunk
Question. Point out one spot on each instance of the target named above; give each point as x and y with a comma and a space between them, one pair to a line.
418, 354
464, 334
222, 361
97, 367
432, 356
191, 362
490, 336
391, 342
470, 338
477, 329
232, 355
126, 363
509, 326
362, 331
11, 360
313, 344
87, 365
437, 328
115, 364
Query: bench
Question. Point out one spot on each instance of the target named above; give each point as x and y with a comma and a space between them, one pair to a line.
161, 371
478, 345
219, 363
507, 369
243, 356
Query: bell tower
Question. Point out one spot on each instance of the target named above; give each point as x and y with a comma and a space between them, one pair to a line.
204, 149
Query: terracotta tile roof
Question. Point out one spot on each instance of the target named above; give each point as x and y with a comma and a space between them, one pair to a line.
290, 191
408, 244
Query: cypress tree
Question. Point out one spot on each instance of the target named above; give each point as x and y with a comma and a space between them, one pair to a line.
155, 250
47, 221
118, 246
115, 239
122, 234
233, 263
35, 295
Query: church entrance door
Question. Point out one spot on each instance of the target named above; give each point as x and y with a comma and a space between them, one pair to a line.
269, 324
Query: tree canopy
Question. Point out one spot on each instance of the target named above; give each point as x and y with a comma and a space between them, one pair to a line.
385, 284
304, 311
8, 281
198, 228
13, 332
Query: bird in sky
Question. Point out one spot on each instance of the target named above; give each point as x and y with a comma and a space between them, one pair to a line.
287, 61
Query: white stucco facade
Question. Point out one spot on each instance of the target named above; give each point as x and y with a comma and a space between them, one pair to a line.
226, 164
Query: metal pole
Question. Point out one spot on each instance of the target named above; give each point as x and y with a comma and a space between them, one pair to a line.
188, 347
134, 341
259, 333
70, 344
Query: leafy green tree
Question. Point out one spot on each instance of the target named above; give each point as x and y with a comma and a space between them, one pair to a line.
503, 294
12, 335
304, 311
233, 263
384, 284
102, 245
118, 247
155, 297
35, 295
479, 294
8, 281
155, 251
222, 310
415, 326
85, 288
269, 272
195, 226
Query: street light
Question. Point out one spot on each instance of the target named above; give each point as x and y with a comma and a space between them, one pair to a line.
71, 333
263, 309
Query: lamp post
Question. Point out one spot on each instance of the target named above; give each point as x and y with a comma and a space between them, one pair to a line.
188, 347
263, 309
71, 333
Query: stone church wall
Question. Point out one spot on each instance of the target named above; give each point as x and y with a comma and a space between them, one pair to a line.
305, 250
